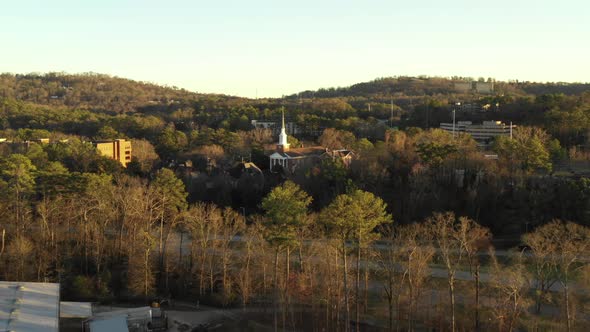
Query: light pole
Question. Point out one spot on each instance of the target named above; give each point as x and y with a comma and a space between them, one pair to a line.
456, 104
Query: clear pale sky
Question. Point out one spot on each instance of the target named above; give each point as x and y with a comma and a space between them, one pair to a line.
282, 47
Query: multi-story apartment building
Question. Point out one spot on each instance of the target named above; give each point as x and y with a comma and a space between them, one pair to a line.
119, 150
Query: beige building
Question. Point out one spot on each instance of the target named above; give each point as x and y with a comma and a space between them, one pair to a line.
291, 128
119, 150
475, 87
483, 133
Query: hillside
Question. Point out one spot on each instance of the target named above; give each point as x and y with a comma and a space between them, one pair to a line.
92, 104
90, 91
392, 87
115, 95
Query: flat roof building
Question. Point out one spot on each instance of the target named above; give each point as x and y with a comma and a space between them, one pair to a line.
483, 133
475, 87
290, 127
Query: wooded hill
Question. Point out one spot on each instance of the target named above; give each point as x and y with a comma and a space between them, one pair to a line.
392, 87
118, 95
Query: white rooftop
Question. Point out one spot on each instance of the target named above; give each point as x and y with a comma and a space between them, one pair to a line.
133, 313
75, 309
29, 306
110, 324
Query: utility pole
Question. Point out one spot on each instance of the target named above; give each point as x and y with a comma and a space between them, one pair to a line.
453, 123
456, 104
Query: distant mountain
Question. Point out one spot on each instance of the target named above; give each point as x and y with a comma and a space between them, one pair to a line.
115, 95
92, 91
389, 87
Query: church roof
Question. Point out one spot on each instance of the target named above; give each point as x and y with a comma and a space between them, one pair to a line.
309, 151
302, 152
343, 153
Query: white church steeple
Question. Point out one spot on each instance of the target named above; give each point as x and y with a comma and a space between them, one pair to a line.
283, 144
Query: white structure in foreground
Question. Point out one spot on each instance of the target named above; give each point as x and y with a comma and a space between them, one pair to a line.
29, 306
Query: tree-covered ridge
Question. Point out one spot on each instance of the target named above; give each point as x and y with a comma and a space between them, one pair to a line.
87, 91
106, 93
392, 87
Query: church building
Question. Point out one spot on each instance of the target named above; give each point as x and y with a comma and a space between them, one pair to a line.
290, 159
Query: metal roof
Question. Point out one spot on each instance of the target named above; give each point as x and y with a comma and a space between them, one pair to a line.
110, 324
29, 306
75, 309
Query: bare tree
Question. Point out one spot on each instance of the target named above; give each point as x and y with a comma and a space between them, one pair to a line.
145, 154
233, 224
140, 276
510, 286
417, 253
2, 243
94, 216
244, 279
388, 260
405, 265
474, 239
202, 221
129, 196
20, 250
544, 272
50, 217
571, 243
447, 232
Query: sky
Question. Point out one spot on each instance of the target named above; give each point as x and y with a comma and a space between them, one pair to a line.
260, 48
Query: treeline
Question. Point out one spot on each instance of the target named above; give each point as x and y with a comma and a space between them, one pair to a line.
347, 266
392, 87
83, 104
87, 91
415, 171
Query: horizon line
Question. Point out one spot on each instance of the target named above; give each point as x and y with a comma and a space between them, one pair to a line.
173, 86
